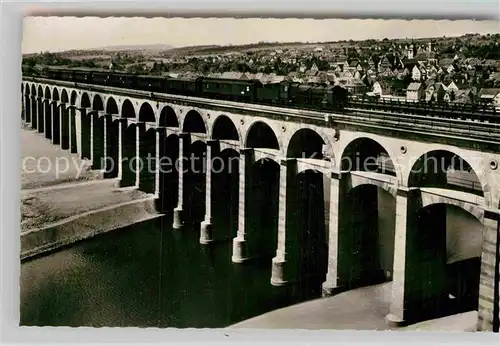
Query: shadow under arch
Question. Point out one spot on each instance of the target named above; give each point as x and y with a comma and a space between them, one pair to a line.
73, 140
47, 113
306, 143
262, 216
169, 173
129, 156
147, 156
194, 123
225, 193
225, 129
261, 135
367, 155
168, 117
111, 106
366, 236
195, 182
56, 117
146, 113
127, 110
306, 231
34, 107
85, 101
98, 133
65, 120
446, 261
97, 103
85, 127
26, 100
447, 170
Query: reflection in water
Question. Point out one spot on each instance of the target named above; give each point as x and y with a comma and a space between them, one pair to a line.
117, 279
150, 275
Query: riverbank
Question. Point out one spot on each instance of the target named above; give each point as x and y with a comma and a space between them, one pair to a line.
360, 309
60, 208
44, 164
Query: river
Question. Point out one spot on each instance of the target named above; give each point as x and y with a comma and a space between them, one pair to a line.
149, 275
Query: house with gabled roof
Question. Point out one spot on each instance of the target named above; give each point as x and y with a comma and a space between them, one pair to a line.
382, 87
415, 91
490, 96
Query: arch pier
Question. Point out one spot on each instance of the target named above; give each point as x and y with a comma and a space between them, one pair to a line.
330, 207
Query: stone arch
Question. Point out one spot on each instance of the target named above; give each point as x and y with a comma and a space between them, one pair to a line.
64, 96
40, 91
168, 117
224, 128
97, 103
306, 143
430, 170
367, 154
146, 113
55, 91
111, 106
261, 135
85, 101
55, 94
73, 98
429, 199
33, 90
127, 110
47, 94
193, 122
390, 188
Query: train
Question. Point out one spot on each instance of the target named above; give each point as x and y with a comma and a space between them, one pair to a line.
334, 98
285, 93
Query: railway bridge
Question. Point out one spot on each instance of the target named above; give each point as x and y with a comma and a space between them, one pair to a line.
304, 188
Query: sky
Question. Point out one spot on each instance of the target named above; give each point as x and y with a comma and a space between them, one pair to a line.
64, 33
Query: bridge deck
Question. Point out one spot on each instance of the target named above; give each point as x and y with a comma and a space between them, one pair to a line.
473, 130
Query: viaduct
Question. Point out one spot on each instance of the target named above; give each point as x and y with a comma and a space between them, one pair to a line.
301, 186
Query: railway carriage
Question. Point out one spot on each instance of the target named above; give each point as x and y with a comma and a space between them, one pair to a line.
270, 93
150, 83
82, 76
230, 89
186, 86
100, 77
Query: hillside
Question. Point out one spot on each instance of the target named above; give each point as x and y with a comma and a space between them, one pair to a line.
143, 47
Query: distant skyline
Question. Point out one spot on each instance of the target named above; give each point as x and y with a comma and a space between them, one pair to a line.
66, 33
